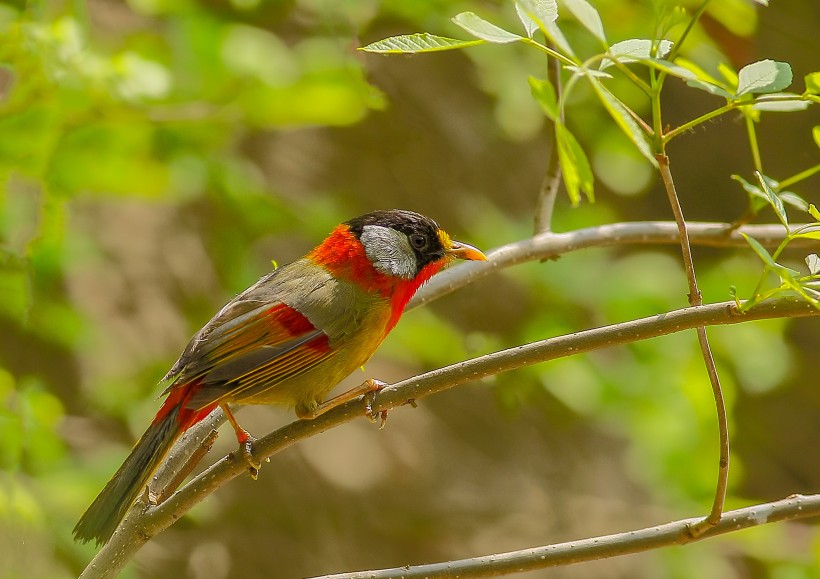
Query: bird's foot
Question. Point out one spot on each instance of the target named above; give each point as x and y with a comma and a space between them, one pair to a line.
246, 448
368, 388
245, 443
375, 386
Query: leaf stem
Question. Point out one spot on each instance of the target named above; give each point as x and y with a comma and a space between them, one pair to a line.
553, 53
805, 174
638, 81
673, 53
695, 122
750, 131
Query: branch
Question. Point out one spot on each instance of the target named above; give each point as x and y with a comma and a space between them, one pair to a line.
545, 203
696, 299
551, 245
144, 521
675, 533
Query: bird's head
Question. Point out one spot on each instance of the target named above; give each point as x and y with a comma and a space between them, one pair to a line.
391, 252
402, 244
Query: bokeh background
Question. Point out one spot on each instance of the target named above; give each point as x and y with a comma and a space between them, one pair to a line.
156, 155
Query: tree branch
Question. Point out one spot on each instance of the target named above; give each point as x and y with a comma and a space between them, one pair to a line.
545, 203
550, 245
144, 521
696, 299
675, 533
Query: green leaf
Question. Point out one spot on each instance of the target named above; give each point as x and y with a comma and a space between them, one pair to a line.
535, 13
588, 16
763, 76
748, 187
757, 197
728, 73
484, 30
814, 212
710, 88
760, 251
633, 50
584, 71
574, 165
544, 93
415, 43
794, 200
557, 37
672, 69
808, 234
703, 80
624, 120
812, 83
767, 103
774, 200
815, 132
813, 262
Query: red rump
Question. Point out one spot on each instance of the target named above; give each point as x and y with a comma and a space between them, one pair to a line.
282, 317
179, 396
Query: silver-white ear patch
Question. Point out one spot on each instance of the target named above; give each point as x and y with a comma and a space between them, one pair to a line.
389, 251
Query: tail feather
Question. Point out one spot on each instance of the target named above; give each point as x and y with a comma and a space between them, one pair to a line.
103, 517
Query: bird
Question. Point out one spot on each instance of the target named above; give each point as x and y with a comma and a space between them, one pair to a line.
287, 340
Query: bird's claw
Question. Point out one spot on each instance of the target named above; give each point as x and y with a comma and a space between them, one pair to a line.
369, 401
254, 465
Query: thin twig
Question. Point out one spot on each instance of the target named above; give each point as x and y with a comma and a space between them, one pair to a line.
552, 178
637, 541
548, 245
695, 299
145, 521
196, 451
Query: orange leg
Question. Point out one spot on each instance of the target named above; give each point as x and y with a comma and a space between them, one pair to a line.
245, 442
369, 388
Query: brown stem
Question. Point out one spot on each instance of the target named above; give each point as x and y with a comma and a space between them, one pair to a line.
695, 299
637, 541
552, 178
547, 245
190, 461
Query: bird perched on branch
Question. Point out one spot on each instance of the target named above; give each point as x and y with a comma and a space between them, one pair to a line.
288, 340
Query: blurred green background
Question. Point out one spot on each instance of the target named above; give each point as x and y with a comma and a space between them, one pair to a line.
156, 155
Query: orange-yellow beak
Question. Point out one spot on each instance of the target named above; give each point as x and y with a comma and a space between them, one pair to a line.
464, 251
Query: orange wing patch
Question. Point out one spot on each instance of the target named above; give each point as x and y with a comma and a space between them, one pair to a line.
256, 355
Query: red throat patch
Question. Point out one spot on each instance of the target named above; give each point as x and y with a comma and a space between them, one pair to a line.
343, 255
406, 289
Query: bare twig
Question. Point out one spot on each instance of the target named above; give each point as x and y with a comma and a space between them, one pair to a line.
552, 178
695, 299
193, 451
145, 521
637, 541
549, 245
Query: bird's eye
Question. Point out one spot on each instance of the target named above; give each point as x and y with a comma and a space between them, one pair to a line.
418, 241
